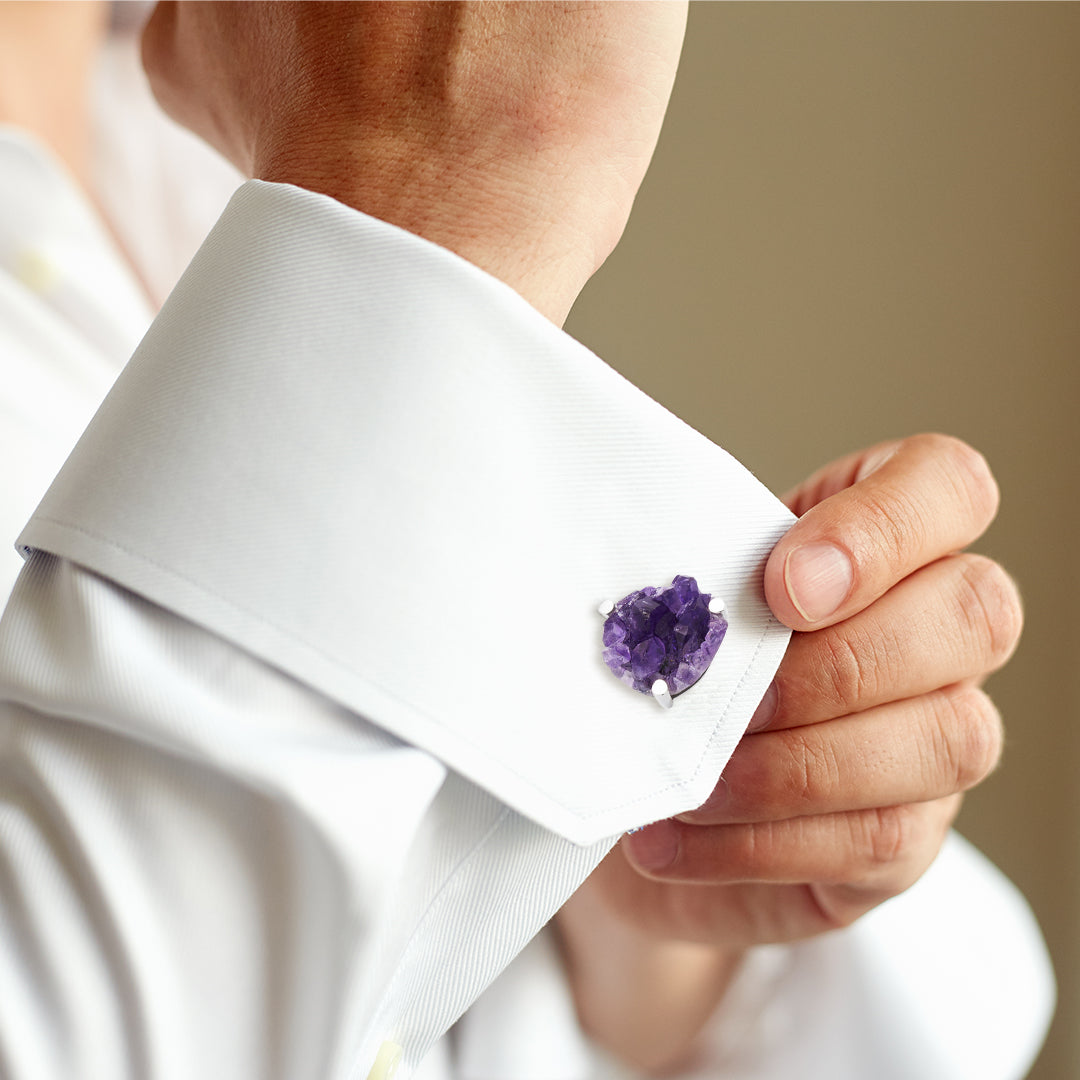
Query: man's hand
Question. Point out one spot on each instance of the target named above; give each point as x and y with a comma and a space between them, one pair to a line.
841, 795
515, 134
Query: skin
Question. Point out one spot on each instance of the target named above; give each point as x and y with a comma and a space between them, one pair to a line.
516, 135
46, 56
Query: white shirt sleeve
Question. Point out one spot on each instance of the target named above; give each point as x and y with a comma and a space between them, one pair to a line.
948, 981
260, 885
306, 730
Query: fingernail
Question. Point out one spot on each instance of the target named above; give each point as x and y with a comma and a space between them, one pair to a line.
655, 846
818, 579
875, 461
765, 711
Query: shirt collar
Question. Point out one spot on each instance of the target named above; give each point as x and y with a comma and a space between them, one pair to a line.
377, 468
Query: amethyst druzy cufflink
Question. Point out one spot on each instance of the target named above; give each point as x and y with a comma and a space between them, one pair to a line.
661, 641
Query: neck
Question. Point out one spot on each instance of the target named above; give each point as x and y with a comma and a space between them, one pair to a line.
47, 53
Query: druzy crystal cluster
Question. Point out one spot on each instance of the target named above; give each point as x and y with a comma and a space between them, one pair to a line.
667, 634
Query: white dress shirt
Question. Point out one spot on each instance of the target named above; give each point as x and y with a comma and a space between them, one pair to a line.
266, 832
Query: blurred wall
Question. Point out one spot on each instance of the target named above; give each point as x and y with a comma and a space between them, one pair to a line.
863, 220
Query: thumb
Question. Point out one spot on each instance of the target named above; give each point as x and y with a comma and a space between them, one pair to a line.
903, 505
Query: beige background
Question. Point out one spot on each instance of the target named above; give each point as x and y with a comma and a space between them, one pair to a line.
863, 220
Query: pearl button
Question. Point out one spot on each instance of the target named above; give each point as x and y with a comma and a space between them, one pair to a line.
386, 1063
35, 271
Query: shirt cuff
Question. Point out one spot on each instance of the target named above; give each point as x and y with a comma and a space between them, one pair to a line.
374, 466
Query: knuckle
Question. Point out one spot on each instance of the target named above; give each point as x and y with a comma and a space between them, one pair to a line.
969, 471
973, 743
892, 848
893, 525
813, 774
748, 848
990, 607
889, 832
843, 668
858, 665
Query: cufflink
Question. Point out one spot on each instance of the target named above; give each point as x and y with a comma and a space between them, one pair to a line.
660, 641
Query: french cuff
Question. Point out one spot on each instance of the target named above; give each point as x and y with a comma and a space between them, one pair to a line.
372, 465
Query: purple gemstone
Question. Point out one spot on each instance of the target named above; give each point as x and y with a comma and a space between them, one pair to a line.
667, 634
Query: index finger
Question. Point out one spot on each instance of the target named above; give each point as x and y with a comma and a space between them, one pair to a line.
932, 496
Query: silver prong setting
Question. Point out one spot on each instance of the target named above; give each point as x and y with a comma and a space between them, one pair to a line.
661, 693
606, 608
716, 606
